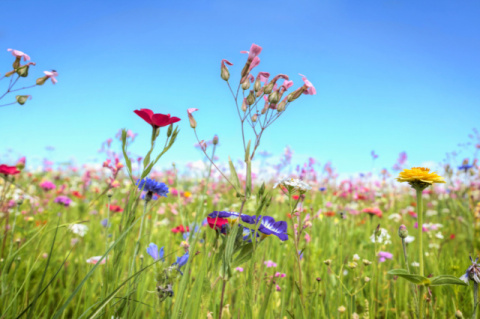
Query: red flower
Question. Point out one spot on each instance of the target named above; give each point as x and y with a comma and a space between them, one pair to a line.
77, 194
373, 211
180, 229
452, 236
329, 214
218, 224
8, 170
115, 208
156, 120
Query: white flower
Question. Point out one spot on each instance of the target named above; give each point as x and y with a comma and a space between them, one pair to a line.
434, 246
396, 217
356, 257
439, 235
409, 239
294, 184
445, 210
431, 212
79, 229
382, 238
415, 264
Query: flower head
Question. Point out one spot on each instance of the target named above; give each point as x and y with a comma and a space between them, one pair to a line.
153, 251
268, 226
52, 75
19, 54
153, 187
293, 185
63, 200
232, 217
419, 177
373, 211
270, 264
79, 229
383, 256
156, 119
473, 272
8, 170
47, 186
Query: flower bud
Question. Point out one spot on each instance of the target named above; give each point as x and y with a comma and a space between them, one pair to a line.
23, 71
352, 265
274, 97
21, 99
367, 279
268, 88
246, 84
259, 92
402, 231
21, 163
281, 106
295, 94
16, 63
170, 130
328, 262
244, 105
215, 140
41, 81
254, 118
458, 314
251, 98
224, 73
257, 86
366, 262
193, 123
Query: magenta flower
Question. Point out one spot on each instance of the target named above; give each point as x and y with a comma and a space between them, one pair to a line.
309, 88
286, 85
239, 269
19, 54
254, 51
383, 256
270, 264
47, 186
63, 200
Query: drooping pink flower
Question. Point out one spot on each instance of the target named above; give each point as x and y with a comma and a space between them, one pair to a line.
286, 85
309, 88
270, 263
193, 123
52, 75
383, 256
239, 269
254, 51
94, 260
19, 54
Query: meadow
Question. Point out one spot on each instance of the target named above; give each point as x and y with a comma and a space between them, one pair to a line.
127, 240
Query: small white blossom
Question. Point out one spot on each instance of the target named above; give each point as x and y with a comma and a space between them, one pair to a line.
415, 264
409, 239
79, 229
439, 235
294, 184
356, 257
382, 238
395, 217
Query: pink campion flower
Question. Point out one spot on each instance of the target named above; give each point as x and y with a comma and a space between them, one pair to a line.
224, 73
239, 269
52, 75
270, 264
309, 88
279, 274
286, 85
383, 256
251, 78
19, 54
94, 260
254, 51
263, 76
277, 287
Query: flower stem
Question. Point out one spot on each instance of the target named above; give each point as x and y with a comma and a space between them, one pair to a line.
475, 300
420, 251
221, 298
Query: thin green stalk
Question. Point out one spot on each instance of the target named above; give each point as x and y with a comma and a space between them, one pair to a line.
421, 305
475, 300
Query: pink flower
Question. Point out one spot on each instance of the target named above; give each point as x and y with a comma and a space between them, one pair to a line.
94, 260
239, 269
307, 238
286, 85
226, 62
278, 274
277, 287
263, 76
270, 263
19, 54
254, 51
224, 71
309, 88
51, 75
193, 123
383, 256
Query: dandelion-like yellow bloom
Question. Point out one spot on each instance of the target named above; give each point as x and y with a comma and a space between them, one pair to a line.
419, 174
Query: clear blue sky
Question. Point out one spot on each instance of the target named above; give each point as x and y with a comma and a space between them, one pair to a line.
391, 76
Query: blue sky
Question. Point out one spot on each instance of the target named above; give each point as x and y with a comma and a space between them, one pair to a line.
391, 76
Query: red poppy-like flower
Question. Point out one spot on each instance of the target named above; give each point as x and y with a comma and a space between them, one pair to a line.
329, 214
452, 236
8, 170
373, 211
180, 229
77, 194
216, 223
156, 120
115, 208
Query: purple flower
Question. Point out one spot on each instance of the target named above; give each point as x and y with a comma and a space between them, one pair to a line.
232, 216
383, 256
63, 200
152, 187
268, 226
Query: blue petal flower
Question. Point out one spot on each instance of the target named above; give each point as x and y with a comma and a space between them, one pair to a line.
269, 226
232, 216
150, 185
181, 261
152, 250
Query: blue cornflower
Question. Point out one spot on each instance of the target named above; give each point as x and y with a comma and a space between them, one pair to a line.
268, 226
105, 222
322, 189
232, 216
151, 186
154, 197
465, 167
152, 250
472, 273
181, 261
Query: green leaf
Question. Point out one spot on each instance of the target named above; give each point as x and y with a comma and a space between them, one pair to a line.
234, 176
125, 156
416, 279
248, 188
446, 280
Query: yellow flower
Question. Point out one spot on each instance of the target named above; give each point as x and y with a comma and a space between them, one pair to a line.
419, 174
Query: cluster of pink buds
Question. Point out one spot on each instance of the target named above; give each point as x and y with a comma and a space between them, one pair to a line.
112, 182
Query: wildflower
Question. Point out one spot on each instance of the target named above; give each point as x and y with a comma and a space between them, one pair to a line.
104, 222
217, 223
116, 208
47, 186
292, 184
277, 288
239, 269
382, 238
152, 187
383, 256
465, 167
181, 261
278, 274
156, 120
366, 262
19, 54
352, 265
63, 200
419, 177
8, 170
156, 254
52, 75
472, 273
232, 217
356, 257
409, 239
79, 229
373, 211
268, 226
402, 231
415, 264
328, 262
180, 229
341, 309
94, 260
270, 264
